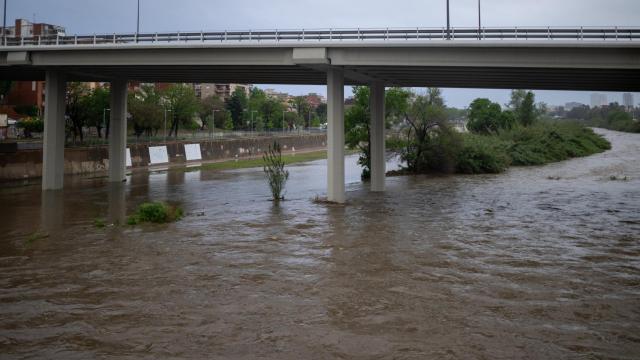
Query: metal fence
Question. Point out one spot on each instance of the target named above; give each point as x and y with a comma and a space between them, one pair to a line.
336, 35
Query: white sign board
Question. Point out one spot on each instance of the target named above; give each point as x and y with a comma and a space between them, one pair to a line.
4, 120
158, 155
128, 157
192, 152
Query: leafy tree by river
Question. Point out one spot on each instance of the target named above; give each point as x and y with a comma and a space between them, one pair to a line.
498, 137
147, 112
184, 105
236, 104
357, 120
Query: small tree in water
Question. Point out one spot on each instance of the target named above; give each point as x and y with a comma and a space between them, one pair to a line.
277, 176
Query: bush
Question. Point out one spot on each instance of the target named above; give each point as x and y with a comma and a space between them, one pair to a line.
482, 154
277, 176
31, 125
445, 151
438, 152
156, 212
549, 142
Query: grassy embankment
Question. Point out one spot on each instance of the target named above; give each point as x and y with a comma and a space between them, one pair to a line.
258, 162
539, 144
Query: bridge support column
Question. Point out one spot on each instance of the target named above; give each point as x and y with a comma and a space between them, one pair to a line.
378, 163
118, 131
54, 124
335, 135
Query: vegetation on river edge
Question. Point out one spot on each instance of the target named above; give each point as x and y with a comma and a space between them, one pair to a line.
427, 142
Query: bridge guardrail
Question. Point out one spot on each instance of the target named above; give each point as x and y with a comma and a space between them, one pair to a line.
335, 35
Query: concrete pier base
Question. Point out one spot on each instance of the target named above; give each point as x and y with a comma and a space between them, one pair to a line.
335, 135
54, 124
118, 131
378, 163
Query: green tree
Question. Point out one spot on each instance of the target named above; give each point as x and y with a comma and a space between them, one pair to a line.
517, 97
396, 103
431, 144
228, 121
272, 111
184, 104
236, 104
147, 112
207, 108
487, 117
358, 118
357, 129
76, 108
302, 108
94, 105
321, 110
527, 113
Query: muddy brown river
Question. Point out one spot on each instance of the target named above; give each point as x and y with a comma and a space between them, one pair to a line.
536, 263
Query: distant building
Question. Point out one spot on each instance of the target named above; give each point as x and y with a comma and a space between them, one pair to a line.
627, 100
28, 93
223, 91
571, 105
315, 100
281, 96
25, 28
598, 100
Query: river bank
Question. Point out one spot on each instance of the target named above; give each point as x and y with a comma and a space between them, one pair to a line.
27, 164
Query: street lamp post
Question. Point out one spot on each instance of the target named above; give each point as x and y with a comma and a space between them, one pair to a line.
104, 117
4, 22
479, 21
283, 121
448, 23
213, 123
138, 22
165, 123
252, 123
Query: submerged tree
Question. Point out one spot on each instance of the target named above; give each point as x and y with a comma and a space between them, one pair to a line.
358, 119
277, 176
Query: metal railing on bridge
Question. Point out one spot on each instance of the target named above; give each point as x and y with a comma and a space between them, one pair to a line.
337, 35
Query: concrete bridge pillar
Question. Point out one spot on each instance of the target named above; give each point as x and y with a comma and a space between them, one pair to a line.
335, 135
54, 125
118, 131
378, 163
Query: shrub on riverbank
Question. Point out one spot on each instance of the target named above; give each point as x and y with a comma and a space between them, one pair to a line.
482, 154
156, 212
550, 142
274, 169
538, 144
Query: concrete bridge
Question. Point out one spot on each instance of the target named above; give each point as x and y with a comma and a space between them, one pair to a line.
598, 59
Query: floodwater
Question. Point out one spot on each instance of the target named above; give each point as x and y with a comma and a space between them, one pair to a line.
536, 263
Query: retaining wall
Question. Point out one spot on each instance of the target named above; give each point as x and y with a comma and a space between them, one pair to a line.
21, 164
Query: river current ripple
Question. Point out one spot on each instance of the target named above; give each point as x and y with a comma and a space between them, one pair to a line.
536, 263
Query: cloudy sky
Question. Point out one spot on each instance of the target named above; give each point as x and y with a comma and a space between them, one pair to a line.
108, 16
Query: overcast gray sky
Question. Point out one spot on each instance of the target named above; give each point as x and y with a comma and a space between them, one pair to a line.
108, 16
